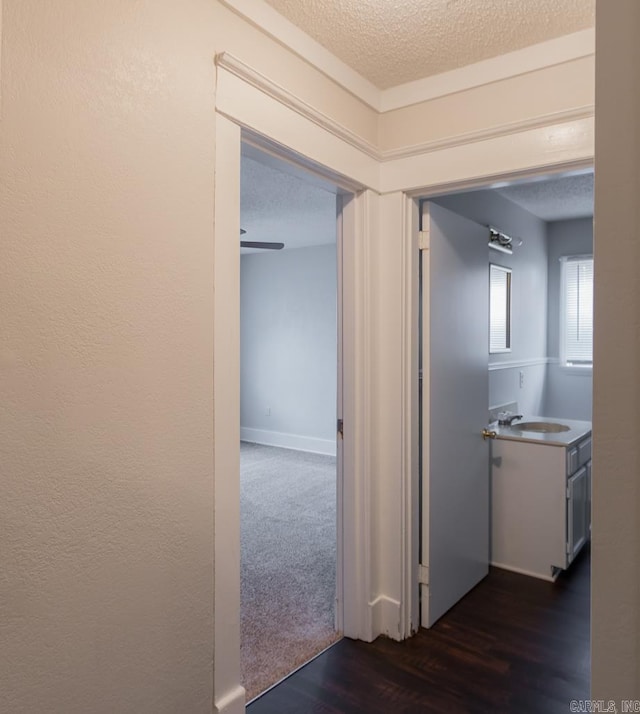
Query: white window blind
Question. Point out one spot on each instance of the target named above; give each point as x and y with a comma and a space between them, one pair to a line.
499, 309
576, 323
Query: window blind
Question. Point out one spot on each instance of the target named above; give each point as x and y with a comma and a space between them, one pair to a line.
499, 309
577, 323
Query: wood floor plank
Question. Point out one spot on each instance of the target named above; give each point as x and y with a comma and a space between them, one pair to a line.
513, 644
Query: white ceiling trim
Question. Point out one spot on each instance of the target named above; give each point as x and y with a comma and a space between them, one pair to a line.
284, 96
256, 79
265, 18
512, 64
493, 132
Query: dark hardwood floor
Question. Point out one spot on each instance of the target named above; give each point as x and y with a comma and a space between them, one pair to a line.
513, 644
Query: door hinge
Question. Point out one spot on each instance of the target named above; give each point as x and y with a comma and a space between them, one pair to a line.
340, 428
423, 240
423, 574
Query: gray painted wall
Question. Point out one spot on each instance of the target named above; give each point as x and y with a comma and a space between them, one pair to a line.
529, 296
568, 391
289, 347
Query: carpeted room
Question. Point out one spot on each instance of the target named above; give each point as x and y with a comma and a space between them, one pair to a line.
288, 416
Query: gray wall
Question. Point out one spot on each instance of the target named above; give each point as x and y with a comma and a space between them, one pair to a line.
569, 390
289, 348
529, 297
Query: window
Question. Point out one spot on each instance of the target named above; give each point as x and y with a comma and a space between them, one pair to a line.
499, 309
576, 311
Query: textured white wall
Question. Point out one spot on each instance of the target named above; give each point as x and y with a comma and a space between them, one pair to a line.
568, 392
529, 295
106, 496
615, 618
289, 342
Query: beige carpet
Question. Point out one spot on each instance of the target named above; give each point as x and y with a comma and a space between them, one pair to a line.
288, 561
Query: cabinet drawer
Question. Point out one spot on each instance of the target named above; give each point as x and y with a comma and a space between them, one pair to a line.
578, 456
584, 452
572, 460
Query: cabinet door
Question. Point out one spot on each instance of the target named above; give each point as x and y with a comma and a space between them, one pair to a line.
577, 527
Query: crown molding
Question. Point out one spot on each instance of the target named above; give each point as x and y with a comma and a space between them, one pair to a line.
256, 79
511, 64
543, 120
272, 23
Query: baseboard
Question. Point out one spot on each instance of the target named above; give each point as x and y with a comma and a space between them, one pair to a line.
522, 571
385, 617
232, 702
288, 441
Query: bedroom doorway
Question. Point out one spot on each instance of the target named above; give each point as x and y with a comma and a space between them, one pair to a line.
289, 405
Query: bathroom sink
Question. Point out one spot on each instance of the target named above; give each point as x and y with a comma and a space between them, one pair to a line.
544, 427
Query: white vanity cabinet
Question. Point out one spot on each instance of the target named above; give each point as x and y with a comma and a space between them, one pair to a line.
540, 503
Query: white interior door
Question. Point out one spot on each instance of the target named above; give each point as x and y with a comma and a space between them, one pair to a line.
455, 400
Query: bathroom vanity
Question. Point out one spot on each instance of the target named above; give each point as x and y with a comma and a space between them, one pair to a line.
540, 495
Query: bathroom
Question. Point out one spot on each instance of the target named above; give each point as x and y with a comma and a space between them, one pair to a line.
545, 235
547, 220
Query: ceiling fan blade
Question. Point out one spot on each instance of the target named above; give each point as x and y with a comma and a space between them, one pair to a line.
260, 244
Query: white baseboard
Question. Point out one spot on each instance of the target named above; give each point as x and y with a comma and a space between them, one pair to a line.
232, 702
522, 571
385, 617
288, 441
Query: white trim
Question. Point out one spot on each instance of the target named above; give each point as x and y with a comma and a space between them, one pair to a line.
273, 24
285, 121
288, 441
258, 80
510, 64
228, 694
545, 150
233, 702
522, 571
544, 120
410, 593
516, 363
287, 99
358, 224
385, 617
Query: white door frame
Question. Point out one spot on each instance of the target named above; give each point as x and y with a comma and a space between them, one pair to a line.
354, 576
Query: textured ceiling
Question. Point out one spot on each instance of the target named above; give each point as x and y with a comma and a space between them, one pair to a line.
395, 41
278, 206
554, 199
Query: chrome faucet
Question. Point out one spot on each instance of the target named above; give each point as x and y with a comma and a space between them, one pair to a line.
507, 419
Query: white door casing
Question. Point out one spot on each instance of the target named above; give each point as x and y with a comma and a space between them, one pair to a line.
455, 398
353, 580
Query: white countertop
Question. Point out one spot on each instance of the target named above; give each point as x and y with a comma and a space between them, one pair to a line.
577, 430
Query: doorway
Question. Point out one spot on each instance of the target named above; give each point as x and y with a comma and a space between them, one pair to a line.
289, 404
549, 219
